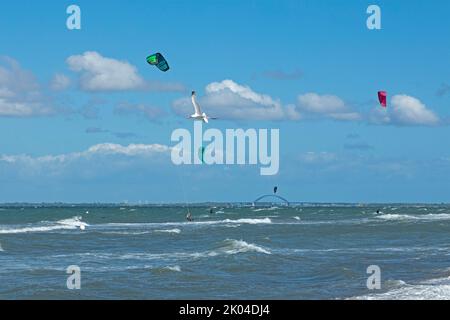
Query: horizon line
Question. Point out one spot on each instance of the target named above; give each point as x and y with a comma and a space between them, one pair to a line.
143, 204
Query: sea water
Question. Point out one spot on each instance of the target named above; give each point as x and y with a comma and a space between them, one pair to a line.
235, 252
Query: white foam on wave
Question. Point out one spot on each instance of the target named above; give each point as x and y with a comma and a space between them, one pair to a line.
173, 268
250, 221
436, 216
234, 225
74, 222
228, 247
46, 226
126, 233
265, 209
429, 217
297, 218
137, 233
395, 283
240, 246
32, 229
391, 216
169, 231
437, 289
368, 250
192, 223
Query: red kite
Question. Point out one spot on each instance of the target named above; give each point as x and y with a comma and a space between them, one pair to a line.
382, 96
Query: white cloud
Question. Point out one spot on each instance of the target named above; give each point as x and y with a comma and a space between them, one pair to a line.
106, 159
404, 110
379, 116
99, 149
100, 73
242, 91
59, 82
20, 94
409, 110
96, 160
329, 106
130, 150
17, 109
315, 103
229, 100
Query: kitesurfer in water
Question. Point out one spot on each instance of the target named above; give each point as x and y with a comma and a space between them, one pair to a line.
189, 217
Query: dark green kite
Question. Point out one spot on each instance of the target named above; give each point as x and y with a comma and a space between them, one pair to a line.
158, 60
201, 154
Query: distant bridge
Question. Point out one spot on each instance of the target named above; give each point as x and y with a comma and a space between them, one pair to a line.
271, 196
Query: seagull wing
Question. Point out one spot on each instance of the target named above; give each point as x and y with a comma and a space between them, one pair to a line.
196, 105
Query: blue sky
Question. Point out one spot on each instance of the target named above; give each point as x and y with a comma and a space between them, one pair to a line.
313, 68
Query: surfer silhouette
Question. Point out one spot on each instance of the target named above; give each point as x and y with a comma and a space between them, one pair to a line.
189, 217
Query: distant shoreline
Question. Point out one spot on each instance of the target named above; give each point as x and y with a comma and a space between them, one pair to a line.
213, 204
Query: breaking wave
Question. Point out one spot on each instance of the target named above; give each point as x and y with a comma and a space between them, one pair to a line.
173, 268
423, 217
265, 209
46, 226
250, 221
437, 289
169, 231
395, 217
227, 247
193, 223
239, 246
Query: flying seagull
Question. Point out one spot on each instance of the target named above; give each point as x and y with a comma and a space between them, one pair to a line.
198, 114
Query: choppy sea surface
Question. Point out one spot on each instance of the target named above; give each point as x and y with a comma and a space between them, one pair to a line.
233, 252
